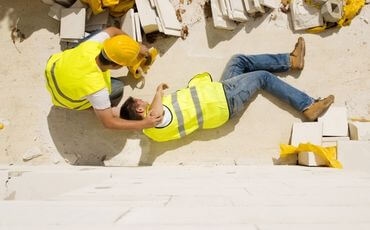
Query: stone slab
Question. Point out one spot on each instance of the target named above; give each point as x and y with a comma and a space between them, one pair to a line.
354, 155
72, 23
335, 122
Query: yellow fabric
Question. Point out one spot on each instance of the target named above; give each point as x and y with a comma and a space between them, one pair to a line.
122, 49
107, 3
328, 153
117, 8
213, 105
121, 8
95, 5
76, 75
350, 9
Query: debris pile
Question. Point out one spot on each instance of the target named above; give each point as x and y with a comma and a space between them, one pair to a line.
310, 15
338, 137
80, 18
226, 13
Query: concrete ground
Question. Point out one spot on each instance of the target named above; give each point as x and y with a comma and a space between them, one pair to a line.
184, 197
336, 63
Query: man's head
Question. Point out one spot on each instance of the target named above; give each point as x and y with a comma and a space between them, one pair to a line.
120, 50
134, 109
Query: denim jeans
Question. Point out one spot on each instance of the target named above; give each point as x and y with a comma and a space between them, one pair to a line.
244, 75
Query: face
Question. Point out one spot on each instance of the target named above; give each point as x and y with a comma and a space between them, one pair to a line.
140, 105
116, 66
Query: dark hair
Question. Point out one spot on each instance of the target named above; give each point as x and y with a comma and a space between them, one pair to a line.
128, 110
104, 60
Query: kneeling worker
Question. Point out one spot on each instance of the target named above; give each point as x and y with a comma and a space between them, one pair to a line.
79, 78
207, 104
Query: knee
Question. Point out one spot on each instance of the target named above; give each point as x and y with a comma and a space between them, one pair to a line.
263, 77
236, 58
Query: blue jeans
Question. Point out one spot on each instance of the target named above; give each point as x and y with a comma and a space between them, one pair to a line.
244, 75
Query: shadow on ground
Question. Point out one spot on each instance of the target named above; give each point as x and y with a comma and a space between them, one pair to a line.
81, 139
32, 16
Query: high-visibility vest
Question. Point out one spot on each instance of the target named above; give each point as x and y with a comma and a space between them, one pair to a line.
73, 74
202, 105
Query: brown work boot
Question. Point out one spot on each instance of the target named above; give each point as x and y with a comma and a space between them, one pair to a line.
297, 56
318, 108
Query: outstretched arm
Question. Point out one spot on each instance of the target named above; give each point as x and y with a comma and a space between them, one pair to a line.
111, 121
113, 31
156, 107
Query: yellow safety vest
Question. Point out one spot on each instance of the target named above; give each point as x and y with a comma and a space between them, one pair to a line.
202, 104
73, 74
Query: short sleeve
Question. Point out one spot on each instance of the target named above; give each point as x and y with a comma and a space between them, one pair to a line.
100, 100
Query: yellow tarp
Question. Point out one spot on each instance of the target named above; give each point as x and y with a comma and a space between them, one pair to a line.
328, 153
117, 8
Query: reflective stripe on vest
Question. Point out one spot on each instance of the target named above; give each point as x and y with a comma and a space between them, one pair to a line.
179, 115
60, 93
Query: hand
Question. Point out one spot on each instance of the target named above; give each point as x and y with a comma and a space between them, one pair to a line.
162, 87
151, 121
144, 51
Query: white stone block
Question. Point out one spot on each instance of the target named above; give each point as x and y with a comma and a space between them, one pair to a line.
223, 7
308, 132
238, 10
228, 9
273, 4
304, 16
167, 15
258, 6
332, 141
359, 130
128, 24
219, 20
354, 155
332, 10
147, 16
304, 132
72, 23
249, 6
335, 122
138, 28
160, 27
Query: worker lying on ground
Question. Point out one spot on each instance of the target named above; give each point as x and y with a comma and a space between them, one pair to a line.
206, 104
79, 78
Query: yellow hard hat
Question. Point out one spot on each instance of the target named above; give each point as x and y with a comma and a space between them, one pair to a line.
121, 49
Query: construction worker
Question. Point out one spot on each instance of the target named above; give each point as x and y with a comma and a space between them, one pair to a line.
79, 78
207, 104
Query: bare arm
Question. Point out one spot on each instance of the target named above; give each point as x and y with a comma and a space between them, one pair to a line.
110, 121
156, 107
113, 31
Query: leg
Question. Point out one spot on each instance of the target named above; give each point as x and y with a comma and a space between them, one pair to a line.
240, 64
117, 91
241, 88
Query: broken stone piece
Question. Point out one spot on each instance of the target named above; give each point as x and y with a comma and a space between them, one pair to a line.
32, 153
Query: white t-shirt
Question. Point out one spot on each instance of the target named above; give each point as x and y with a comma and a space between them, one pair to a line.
167, 118
99, 99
